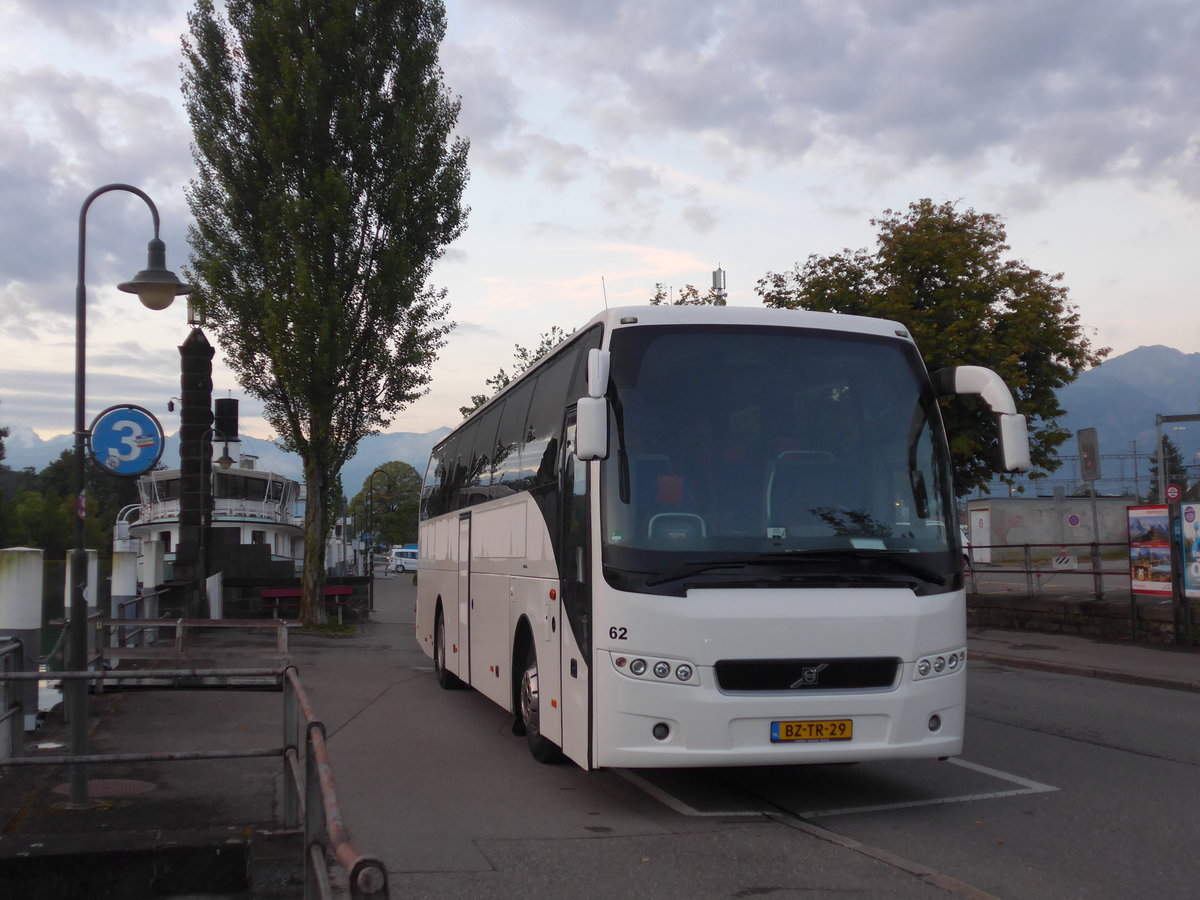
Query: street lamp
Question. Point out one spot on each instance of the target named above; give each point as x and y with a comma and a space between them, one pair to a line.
156, 287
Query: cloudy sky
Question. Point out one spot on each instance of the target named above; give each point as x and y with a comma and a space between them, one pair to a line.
617, 144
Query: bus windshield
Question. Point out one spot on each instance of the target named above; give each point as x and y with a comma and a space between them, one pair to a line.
773, 457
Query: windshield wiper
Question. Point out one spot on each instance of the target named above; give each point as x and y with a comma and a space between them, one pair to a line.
893, 560
707, 565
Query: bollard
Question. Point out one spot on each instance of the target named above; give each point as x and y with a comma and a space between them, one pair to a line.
124, 589
21, 617
151, 574
91, 593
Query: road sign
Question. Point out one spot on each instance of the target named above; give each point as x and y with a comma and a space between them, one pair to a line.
1089, 454
1064, 561
1173, 492
126, 440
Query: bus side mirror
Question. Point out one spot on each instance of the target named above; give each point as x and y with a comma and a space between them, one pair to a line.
591, 428
1014, 443
1014, 435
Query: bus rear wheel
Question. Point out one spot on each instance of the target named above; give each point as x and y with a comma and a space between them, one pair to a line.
542, 749
445, 678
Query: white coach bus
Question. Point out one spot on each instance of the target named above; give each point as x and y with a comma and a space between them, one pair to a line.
709, 536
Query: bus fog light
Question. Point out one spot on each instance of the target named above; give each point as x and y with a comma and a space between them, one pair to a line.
638, 667
662, 669
923, 667
952, 662
939, 664
935, 722
684, 672
661, 731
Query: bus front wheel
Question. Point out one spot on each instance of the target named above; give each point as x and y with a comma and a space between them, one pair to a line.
542, 749
445, 678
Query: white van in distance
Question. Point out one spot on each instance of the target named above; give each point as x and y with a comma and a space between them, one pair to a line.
402, 559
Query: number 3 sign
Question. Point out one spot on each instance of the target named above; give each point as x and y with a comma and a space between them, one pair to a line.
126, 440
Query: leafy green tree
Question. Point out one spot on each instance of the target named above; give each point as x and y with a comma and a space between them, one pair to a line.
689, 296
393, 504
1175, 472
523, 358
942, 273
329, 182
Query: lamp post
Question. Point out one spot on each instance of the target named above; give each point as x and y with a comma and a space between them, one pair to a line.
371, 533
156, 287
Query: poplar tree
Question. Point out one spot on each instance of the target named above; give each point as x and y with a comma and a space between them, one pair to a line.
943, 274
329, 182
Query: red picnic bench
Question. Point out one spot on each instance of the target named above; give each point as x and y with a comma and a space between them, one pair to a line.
275, 599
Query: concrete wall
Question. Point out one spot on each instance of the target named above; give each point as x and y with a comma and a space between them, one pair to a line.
1047, 520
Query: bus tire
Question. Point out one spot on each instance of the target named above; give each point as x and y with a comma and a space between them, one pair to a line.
446, 679
540, 747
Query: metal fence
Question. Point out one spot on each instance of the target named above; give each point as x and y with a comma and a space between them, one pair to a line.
309, 795
1098, 572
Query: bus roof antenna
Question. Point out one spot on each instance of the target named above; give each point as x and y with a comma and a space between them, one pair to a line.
604, 289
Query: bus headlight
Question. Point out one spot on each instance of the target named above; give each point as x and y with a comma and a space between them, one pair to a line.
935, 664
668, 671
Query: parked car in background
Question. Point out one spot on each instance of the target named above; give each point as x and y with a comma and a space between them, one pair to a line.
402, 559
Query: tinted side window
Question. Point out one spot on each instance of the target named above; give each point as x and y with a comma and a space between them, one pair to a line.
479, 474
459, 473
431, 487
506, 461
539, 458
445, 495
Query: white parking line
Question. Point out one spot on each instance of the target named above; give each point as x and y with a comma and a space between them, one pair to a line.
1025, 786
674, 802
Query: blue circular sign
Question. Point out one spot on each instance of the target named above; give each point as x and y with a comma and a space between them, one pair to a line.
126, 440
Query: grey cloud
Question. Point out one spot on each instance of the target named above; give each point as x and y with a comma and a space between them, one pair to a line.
67, 135
1075, 88
490, 98
98, 23
702, 219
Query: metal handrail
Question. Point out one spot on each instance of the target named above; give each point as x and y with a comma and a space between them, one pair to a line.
316, 797
309, 789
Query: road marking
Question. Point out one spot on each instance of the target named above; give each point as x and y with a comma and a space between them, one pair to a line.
1025, 786
674, 802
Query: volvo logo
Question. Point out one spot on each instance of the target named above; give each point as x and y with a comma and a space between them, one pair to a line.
809, 676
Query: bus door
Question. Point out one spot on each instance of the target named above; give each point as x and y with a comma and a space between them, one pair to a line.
463, 662
576, 603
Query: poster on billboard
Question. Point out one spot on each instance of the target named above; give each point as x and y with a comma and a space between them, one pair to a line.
1189, 524
1149, 550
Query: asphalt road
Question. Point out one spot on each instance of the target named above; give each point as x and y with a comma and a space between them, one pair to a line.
1069, 787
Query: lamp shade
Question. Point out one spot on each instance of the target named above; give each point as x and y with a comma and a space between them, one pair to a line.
156, 285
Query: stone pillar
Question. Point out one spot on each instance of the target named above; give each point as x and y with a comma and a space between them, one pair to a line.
195, 467
91, 593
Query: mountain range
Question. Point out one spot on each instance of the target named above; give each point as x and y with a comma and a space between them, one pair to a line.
1119, 398
25, 449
